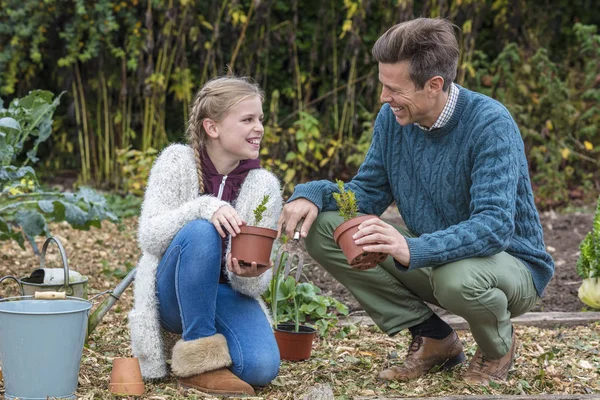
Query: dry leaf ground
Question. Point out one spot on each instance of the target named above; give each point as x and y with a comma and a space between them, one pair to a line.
561, 360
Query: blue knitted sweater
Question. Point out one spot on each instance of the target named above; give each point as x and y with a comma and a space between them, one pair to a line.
463, 189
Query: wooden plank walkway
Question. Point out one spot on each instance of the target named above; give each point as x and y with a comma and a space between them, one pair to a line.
539, 319
496, 397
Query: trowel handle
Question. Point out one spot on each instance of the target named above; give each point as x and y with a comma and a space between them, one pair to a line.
50, 295
63, 254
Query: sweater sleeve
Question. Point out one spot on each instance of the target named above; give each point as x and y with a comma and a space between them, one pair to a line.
371, 184
171, 200
494, 178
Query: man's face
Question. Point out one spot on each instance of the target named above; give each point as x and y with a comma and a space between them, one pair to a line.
408, 103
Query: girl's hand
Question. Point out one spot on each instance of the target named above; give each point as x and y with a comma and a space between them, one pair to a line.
248, 272
226, 217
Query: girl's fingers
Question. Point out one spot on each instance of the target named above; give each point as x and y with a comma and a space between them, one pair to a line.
218, 227
227, 225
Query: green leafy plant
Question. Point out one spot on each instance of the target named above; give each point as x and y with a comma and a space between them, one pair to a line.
301, 302
25, 207
346, 201
260, 210
588, 264
134, 166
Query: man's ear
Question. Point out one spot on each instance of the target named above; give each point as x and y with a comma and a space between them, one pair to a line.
435, 85
210, 127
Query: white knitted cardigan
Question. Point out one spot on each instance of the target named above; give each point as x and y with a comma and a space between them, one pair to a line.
171, 201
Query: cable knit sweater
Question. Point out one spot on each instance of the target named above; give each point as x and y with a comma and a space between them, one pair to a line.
463, 189
172, 200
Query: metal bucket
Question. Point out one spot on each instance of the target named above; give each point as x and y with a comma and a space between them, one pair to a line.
41, 343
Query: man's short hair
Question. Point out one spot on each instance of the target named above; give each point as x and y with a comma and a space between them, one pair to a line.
429, 45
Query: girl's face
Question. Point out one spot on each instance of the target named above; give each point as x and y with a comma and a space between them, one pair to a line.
239, 134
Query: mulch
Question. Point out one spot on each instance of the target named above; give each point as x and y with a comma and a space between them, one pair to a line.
562, 360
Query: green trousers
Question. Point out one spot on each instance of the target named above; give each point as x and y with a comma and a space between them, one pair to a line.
486, 291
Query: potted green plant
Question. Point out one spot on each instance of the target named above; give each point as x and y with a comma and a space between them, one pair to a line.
348, 209
588, 264
293, 305
254, 243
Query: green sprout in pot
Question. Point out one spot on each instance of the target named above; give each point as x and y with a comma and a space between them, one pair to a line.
588, 264
346, 201
260, 210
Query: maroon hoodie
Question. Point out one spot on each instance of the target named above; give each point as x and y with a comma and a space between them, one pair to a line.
229, 185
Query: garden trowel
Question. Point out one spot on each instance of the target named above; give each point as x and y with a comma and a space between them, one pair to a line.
291, 250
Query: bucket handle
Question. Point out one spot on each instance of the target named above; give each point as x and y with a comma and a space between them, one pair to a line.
63, 254
14, 279
50, 295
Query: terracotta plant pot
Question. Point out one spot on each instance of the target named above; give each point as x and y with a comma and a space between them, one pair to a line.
294, 346
357, 258
253, 244
126, 377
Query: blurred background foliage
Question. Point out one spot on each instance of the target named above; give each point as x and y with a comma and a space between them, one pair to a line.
130, 69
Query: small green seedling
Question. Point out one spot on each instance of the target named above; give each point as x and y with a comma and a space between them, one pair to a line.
346, 201
260, 209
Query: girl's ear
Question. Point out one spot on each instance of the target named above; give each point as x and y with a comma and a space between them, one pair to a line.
210, 127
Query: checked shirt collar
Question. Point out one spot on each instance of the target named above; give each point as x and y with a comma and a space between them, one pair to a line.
447, 111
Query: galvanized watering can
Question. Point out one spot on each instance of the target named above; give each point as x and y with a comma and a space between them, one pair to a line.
75, 288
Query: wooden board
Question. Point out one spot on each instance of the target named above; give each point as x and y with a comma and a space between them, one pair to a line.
497, 397
539, 319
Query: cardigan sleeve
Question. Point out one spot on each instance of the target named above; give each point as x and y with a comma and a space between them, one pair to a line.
171, 200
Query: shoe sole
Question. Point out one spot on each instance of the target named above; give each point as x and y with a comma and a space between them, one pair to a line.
185, 388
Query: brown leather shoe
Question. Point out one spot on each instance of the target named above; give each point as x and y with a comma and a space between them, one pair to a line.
220, 381
483, 370
427, 355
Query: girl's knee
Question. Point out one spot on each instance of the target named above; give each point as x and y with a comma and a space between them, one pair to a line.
261, 369
200, 231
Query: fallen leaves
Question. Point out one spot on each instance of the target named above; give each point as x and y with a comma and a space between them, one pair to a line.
564, 360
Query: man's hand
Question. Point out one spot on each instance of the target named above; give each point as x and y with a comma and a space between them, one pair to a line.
378, 236
248, 272
226, 217
293, 212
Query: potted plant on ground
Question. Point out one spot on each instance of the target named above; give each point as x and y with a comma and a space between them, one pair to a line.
254, 243
588, 264
348, 209
293, 304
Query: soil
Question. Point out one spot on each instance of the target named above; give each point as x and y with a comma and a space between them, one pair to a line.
562, 235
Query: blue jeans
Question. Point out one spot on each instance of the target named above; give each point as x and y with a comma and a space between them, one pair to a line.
193, 303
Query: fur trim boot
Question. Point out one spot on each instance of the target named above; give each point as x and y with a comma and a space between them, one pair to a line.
202, 364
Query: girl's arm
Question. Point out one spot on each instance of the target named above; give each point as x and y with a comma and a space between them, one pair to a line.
171, 200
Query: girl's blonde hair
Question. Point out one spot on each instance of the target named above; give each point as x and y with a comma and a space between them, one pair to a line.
214, 100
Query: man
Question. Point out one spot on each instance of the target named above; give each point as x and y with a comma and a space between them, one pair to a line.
453, 161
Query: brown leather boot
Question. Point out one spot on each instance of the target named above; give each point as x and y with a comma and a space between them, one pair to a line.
221, 381
427, 355
202, 364
483, 370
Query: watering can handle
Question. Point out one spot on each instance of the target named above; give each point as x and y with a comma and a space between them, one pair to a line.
14, 279
63, 255
50, 295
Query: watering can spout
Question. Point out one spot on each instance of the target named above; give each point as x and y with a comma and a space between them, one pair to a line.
110, 300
